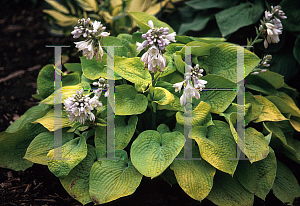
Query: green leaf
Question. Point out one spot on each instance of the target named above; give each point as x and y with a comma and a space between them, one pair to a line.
199, 115
198, 23
76, 183
93, 69
291, 10
269, 111
161, 95
245, 13
88, 5
45, 81
259, 84
48, 121
40, 146
296, 50
207, 4
169, 176
58, 6
222, 61
179, 63
128, 101
13, 146
142, 19
195, 177
66, 92
228, 191
114, 41
170, 67
72, 153
199, 48
217, 146
254, 110
258, 177
112, 179
286, 187
30, 115
74, 67
151, 152
275, 79
123, 131
219, 100
173, 77
132, 69
61, 19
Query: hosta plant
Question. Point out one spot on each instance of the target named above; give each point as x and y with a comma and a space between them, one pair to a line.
157, 104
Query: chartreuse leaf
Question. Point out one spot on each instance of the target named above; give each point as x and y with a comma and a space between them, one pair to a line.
162, 96
142, 19
123, 131
40, 146
222, 61
48, 121
170, 67
93, 69
128, 101
199, 48
132, 69
228, 191
172, 48
179, 63
30, 115
256, 145
247, 13
13, 146
269, 112
76, 183
112, 179
199, 115
66, 92
254, 110
286, 187
217, 146
285, 104
219, 100
61, 19
151, 152
258, 177
72, 153
173, 106
195, 177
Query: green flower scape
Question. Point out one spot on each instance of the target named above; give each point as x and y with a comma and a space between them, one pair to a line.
144, 148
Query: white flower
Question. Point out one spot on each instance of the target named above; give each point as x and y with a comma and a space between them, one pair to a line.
268, 15
96, 25
171, 36
188, 93
150, 22
178, 86
153, 58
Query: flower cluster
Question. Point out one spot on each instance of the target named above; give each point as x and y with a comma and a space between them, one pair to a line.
271, 26
264, 62
101, 87
79, 107
192, 83
91, 46
158, 39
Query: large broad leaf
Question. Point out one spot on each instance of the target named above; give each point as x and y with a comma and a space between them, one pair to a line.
228, 191
112, 179
245, 13
142, 20
285, 104
258, 177
207, 4
48, 121
66, 92
219, 100
76, 183
291, 10
275, 79
152, 152
259, 84
223, 62
269, 112
62, 20
132, 69
195, 177
128, 101
217, 146
161, 95
30, 115
123, 131
13, 146
40, 146
254, 110
286, 187
121, 50
199, 48
200, 115
198, 23
62, 160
